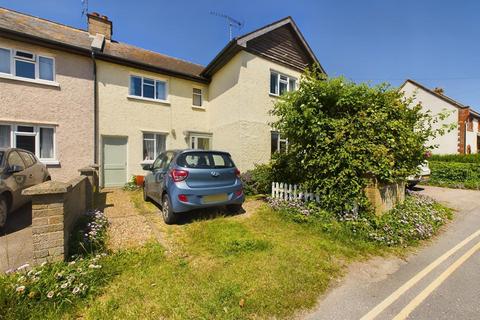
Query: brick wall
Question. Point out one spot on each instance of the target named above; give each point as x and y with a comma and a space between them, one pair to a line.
56, 207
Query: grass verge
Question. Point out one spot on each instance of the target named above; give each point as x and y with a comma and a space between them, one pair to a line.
268, 264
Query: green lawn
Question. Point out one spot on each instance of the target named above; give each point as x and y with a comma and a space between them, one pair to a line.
239, 267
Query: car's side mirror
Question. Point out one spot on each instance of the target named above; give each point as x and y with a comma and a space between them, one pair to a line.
147, 167
15, 168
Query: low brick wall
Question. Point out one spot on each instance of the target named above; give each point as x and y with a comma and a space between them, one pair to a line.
56, 207
384, 197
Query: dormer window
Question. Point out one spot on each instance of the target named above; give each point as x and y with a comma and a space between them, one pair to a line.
26, 65
280, 83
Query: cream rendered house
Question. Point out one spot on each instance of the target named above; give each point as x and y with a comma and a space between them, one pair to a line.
465, 137
154, 102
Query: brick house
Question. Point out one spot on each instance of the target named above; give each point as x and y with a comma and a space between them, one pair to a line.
465, 138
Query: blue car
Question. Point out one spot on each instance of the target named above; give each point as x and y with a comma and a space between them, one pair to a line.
183, 180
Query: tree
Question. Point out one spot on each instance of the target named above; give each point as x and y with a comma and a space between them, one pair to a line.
342, 135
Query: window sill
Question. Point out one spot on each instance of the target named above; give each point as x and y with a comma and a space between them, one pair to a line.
164, 102
199, 108
273, 95
50, 162
36, 81
147, 162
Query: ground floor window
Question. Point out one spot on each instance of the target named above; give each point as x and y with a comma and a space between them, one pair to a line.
39, 140
203, 142
278, 144
153, 145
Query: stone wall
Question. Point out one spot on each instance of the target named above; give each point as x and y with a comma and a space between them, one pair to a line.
56, 207
384, 197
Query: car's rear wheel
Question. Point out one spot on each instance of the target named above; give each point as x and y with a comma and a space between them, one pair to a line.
234, 208
167, 212
3, 211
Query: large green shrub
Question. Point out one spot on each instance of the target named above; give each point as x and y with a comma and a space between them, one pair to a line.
470, 158
341, 135
455, 174
257, 180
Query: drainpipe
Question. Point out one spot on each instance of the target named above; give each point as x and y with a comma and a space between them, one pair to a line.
95, 109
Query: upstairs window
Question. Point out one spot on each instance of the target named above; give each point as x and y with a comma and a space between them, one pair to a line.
280, 83
197, 97
26, 65
148, 88
278, 144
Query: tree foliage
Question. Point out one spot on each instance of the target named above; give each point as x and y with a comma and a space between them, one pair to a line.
342, 135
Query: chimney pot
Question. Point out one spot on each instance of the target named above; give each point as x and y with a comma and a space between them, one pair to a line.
438, 90
99, 24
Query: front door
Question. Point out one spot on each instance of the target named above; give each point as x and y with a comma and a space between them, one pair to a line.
114, 161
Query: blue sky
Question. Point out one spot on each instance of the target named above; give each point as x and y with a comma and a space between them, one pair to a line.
434, 42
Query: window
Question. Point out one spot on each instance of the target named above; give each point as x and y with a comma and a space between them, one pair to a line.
39, 140
14, 159
202, 142
205, 160
280, 83
29, 161
197, 97
5, 60
148, 88
23, 64
163, 161
153, 145
277, 143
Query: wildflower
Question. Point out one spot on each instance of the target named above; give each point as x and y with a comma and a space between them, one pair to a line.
44, 263
32, 294
65, 285
76, 290
59, 275
71, 263
50, 294
20, 289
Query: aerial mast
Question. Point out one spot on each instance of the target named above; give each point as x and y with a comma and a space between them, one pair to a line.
232, 23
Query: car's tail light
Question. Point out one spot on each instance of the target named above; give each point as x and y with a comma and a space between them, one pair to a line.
182, 197
237, 173
178, 175
239, 192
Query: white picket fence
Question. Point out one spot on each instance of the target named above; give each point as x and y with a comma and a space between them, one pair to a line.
289, 192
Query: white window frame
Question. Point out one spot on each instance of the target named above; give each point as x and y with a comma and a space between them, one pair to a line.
164, 134
141, 97
198, 94
36, 133
35, 62
193, 140
279, 142
279, 74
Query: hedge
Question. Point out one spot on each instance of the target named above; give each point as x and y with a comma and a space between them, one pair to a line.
470, 158
463, 175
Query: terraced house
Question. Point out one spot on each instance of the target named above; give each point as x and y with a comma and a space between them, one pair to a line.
136, 103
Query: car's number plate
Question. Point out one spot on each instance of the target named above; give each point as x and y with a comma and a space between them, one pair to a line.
215, 198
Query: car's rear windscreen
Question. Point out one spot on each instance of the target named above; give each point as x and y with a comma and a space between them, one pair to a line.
205, 160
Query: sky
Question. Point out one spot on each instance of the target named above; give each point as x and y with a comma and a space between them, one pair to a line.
436, 43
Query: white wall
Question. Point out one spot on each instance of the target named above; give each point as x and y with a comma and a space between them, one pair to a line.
448, 143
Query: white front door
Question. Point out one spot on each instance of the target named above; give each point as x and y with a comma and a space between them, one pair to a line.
114, 161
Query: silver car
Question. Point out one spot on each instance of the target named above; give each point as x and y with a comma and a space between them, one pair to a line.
19, 169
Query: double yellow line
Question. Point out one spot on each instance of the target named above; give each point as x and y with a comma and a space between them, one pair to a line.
432, 286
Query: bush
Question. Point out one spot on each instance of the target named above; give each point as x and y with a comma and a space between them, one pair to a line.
418, 218
455, 174
258, 180
470, 158
342, 135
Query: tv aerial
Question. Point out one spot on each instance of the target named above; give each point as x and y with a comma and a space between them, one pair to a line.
232, 23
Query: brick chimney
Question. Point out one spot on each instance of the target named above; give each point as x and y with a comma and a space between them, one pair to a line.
99, 24
438, 90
